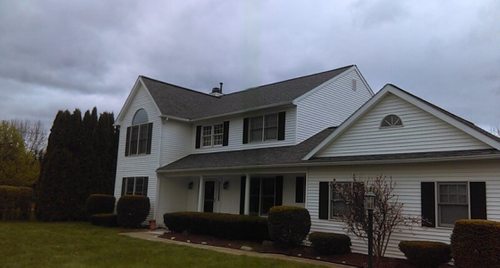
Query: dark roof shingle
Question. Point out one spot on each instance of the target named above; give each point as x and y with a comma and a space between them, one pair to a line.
189, 104
251, 157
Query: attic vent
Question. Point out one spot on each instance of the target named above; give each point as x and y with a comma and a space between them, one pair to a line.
217, 91
354, 84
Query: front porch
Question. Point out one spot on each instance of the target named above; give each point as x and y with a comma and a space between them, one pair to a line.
249, 194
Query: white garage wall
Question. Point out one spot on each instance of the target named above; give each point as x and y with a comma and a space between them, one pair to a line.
407, 178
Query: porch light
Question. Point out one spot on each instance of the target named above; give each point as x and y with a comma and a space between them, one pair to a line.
190, 185
225, 185
369, 206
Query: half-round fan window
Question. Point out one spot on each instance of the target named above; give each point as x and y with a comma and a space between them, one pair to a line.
140, 117
391, 121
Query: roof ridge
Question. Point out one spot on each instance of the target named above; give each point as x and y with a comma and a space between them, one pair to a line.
290, 79
177, 86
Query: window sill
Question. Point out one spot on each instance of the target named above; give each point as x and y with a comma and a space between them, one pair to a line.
137, 155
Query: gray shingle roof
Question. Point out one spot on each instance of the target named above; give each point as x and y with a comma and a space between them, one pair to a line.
189, 104
250, 158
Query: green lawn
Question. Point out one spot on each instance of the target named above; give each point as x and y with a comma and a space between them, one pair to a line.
34, 244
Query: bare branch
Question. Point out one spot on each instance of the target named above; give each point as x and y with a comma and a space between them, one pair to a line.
387, 215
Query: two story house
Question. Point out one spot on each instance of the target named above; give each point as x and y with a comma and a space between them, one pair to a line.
288, 142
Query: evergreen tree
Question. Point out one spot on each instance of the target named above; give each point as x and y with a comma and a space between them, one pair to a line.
80, 160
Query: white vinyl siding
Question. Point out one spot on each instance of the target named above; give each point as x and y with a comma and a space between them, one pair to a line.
144, 165
421, 132
407, 178
176, 141
330, 104
235, 139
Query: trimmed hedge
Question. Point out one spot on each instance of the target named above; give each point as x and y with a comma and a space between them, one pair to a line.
229, 226
330, 243
476, 243
104, 219
288, 226
99, 203
15, 202
132, 210
426, 253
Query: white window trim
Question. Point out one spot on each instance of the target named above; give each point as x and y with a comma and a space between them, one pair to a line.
391, 126
126, 179
212, 136
331, 185
138, 139
263, 135
436, 198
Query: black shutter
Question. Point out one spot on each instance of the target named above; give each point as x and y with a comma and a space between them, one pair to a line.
281, 126
324, 187
145, 186
278, 199
150, 137
254, 196
478, 200
245, 131
300, 189
242, 194
124, 183
127, 142
198, 137
225, 138
428, 203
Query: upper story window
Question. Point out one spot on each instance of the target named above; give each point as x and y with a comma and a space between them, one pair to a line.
264, 128
212, 135
139, 135
391, 121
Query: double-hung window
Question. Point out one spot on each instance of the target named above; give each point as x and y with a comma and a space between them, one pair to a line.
139, 135
212, 135
338, 203
453, 202
135, 186
264, 128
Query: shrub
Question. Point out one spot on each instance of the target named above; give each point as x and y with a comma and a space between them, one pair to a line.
288, 226
100, 203
132, 210
426, 253
330, 243
15, 202
476, 243
104, 219
229, 226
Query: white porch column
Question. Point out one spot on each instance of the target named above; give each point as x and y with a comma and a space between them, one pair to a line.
201, 189
247, 194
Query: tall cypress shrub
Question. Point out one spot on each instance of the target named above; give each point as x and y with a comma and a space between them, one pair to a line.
80, 160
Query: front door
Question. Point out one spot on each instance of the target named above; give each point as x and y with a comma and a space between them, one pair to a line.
208, 205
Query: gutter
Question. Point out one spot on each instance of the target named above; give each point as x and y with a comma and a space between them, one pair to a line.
338, 163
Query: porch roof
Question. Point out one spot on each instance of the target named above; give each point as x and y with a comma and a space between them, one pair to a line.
253, 157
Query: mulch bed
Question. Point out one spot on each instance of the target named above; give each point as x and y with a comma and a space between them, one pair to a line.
353, 259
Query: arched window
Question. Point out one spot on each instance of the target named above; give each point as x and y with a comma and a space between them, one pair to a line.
139, 135
140, 117
391, 120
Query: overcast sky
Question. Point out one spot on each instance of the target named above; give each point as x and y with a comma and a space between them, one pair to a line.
79, 54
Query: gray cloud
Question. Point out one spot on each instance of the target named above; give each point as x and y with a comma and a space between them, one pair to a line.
62, 54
